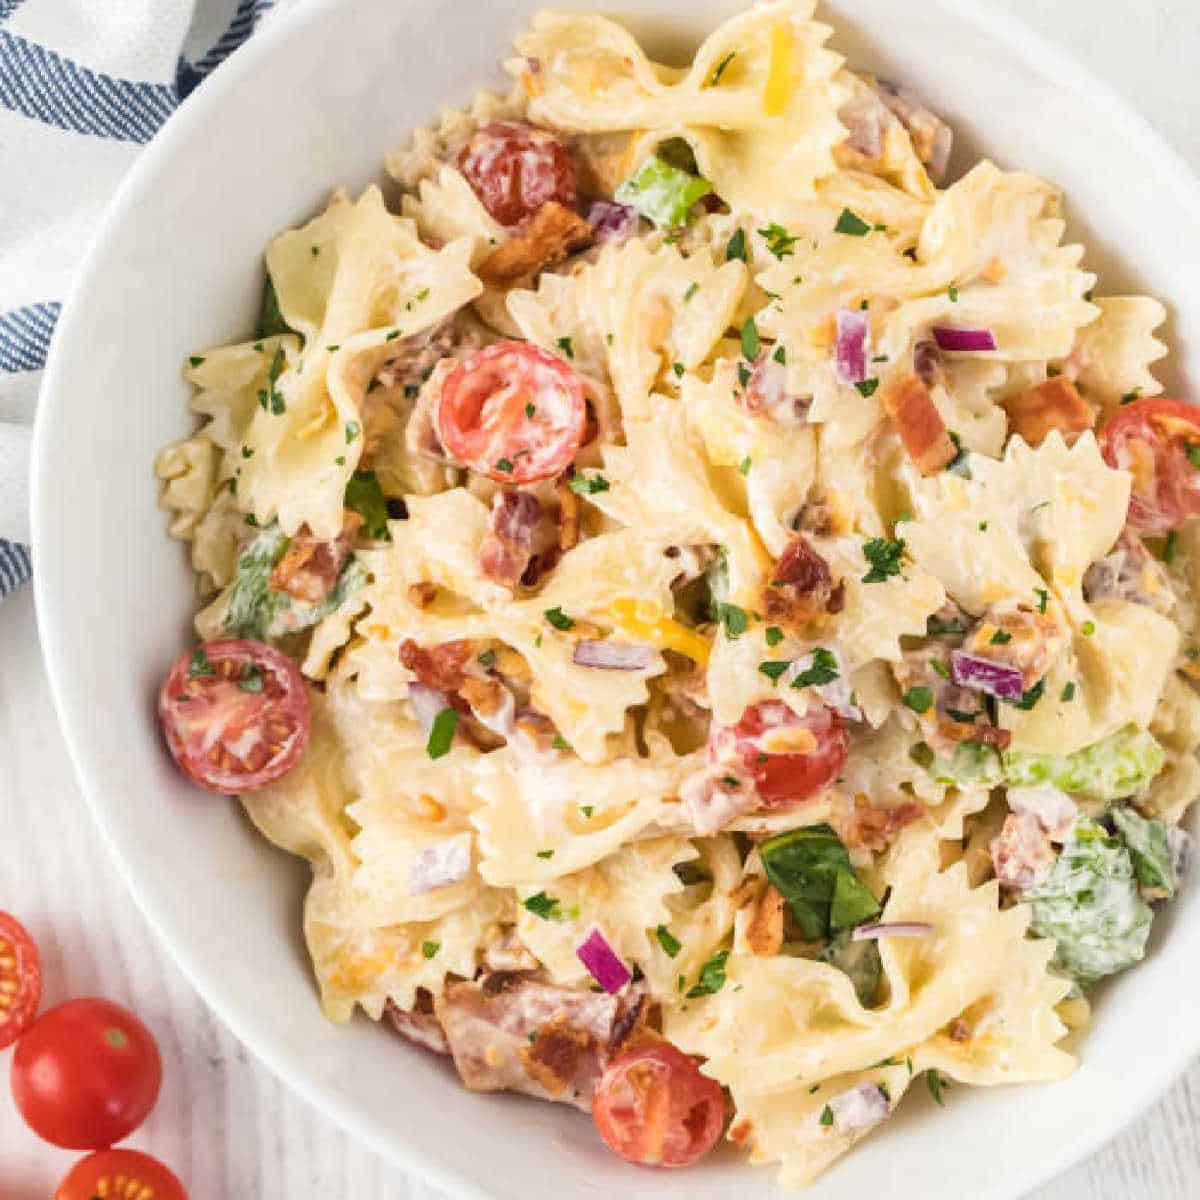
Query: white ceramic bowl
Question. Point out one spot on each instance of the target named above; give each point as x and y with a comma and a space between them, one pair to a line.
316, 100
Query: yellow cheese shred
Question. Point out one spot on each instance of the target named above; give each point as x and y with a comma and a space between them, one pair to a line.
645, 622
778, 90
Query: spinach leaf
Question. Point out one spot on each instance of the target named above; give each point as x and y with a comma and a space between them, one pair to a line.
1089, 904
365, 497
1150, 849
860, 961
811, 868
270, 319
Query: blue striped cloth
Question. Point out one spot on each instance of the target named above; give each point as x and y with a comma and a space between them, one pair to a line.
84, 84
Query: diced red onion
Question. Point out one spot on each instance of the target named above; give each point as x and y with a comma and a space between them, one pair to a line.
950, 338
613, 656
440, 865
882, 929
612, 222
997, 679
427, 702
853, 335
601, 960
860, 1107
864, 118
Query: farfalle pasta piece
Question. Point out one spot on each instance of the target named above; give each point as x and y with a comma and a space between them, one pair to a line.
188, 470
1113, 354
446, 208
758, 104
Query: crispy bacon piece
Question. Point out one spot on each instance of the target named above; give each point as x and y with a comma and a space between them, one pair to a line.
863, 826
554, 233
439, 667
512, 1032
419, 1024
1022, 855
801, 587
310, 566
981, 731
764, 934
1055, 404
908, 402
505, 553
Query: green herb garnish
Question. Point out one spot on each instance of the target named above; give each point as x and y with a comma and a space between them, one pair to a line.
442, 733
884, 555
558, 618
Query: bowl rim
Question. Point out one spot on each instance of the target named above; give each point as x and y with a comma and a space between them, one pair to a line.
53, 611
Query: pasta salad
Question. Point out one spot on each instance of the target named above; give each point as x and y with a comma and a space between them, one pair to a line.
707, 584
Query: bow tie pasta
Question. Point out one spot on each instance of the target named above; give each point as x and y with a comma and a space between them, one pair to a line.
709, 591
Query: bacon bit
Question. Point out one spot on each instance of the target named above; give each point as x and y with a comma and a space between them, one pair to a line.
1022, 855
508, 548
958, 1030
985, 735
837, 598
554, 233
1055, 404
439, 667
485, 696
555, 1057
863, 826
568, 516
741, 1132
801, 586
764, 934
310, 566
434, 810
908, 402
422, 595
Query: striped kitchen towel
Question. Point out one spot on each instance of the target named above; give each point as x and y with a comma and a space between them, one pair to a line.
84, 85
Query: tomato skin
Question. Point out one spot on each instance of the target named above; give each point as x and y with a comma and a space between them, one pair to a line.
515, 168
653, 1107
86, 1074
784, 780
205, 686
513, 412
1150, 438
21, 968
120, 1173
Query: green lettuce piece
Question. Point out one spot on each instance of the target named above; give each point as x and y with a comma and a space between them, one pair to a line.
1117, 766
860, 961
973, 765
811, 868
1089, 904
662, 193
1149, 848
256, 611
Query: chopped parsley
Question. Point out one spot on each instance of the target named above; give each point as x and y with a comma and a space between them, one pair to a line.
712, 977
199, 664
671, 945
919, 699
315, 250
429, 949
278, 362
936, 1082
827, 1116
1068, 692
1031, 697
545, 854
1130, 397
693, 288
719, 69
1043, 596
679, 369
750, 340
392, 336
884, 555
505, 465
733, 619
852, 224
780, 355
940, 668
558, 618
867, 387
744, 468
564, 344
735, 247
196, 360
743, 372
823, 669
441, 734
778, 240
958, 464
983, 527
530, 410
1000, 638
587, 810
561, 743
251, 680
543, 906
952, 292
1193, 453
247, 452
423, 294
487, 660
353, 429
588, 485
773, 670
774, 635
1088, 628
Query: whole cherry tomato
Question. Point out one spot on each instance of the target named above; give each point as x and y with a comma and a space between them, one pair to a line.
20, 980
120, 1174
515, 168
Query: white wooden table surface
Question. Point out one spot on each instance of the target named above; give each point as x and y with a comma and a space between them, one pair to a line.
227, 1126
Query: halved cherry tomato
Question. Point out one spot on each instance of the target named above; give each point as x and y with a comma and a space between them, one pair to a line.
120, 1174
790, 758
515, 168
653, 1107
86, 1074
20, 980
1151, 439
235, 714
513, 412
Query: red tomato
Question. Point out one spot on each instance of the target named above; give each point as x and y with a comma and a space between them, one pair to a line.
652, 1106
515, 169
86, 1074
785, 777
120, 1174
20, 980
235, 714
1150, 439
512, 412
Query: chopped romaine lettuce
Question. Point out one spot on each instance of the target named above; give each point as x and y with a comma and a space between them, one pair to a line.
1089, 904
859, 960
972, 765
1117, 766
811, 868
662, 193
1150, 847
